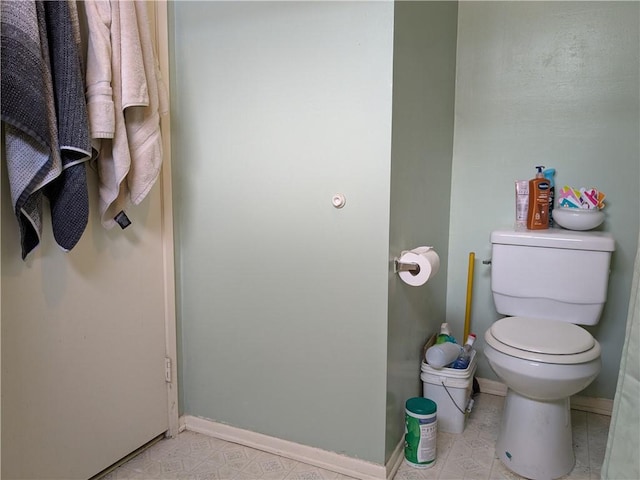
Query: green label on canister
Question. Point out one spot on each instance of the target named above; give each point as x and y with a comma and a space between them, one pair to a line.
421, 428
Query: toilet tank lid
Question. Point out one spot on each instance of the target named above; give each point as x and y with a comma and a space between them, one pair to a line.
556, 238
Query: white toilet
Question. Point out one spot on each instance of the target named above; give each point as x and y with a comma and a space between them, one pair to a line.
548, 282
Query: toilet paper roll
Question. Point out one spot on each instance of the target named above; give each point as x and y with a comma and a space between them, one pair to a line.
426, 258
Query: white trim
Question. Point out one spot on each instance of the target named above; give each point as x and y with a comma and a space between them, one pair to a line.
160, 25
395, 460
492, 387
601, 406
181, 425
317, 457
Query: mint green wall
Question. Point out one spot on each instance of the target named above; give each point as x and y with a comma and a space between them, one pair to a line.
551, 83
424, 63
283, 298
291, 322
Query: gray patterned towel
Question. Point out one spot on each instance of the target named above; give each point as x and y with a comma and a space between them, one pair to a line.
28, 107
68, 193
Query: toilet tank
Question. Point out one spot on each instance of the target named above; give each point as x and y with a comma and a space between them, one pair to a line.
553, 274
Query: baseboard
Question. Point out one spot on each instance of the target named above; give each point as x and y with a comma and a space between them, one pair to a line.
395, 460
492, 387
181, 425
317, 457
601, 406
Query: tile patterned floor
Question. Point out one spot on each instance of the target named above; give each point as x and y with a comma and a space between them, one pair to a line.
469, 455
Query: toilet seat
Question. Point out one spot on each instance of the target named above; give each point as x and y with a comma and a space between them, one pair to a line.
541, 340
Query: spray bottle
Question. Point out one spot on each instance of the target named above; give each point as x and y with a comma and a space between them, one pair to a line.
445, 350
538, 215
445, 334
442, 354
464, 358
549, 174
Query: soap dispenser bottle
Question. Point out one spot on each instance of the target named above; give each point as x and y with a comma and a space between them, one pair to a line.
538, 214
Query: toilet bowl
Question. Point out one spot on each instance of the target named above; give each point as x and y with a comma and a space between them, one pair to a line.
546, 282
542, 359
542, 362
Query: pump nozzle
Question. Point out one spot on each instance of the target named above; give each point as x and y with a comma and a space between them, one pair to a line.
539, 173
549, 174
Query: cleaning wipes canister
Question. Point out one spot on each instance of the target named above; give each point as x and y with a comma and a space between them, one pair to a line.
421, 428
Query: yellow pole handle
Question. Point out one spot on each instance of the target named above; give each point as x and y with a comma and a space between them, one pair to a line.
467, 313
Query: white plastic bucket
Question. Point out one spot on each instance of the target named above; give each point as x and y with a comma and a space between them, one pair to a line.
451, 389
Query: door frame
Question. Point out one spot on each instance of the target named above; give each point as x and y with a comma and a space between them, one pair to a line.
160, 25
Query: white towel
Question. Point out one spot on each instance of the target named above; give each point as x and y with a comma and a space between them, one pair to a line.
143, 122
109, 138
99, 91
130, 150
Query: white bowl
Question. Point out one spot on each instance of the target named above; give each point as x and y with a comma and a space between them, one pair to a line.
577, 218
542, 381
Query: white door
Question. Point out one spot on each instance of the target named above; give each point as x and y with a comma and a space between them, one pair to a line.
83, 347
84, 342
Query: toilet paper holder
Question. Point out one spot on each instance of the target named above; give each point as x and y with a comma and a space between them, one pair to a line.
399, 266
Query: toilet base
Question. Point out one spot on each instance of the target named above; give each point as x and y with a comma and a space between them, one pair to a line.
535, 439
